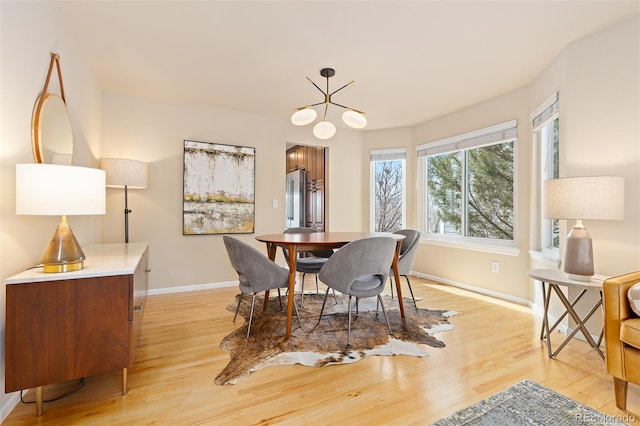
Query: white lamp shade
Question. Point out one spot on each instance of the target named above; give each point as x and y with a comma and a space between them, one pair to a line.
303, 116
121, 172
354, 119
58, 190
324, 130
598, 197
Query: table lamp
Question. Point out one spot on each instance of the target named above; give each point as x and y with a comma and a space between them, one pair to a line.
59, 190
127, 174
580, 198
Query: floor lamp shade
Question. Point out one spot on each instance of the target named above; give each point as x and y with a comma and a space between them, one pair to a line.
127, 174
59, 190
580, 198
122, 172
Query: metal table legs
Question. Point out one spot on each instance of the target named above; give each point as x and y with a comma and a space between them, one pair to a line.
545, 333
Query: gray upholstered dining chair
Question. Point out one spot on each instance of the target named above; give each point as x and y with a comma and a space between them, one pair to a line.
360, 268
408, 252
256, 273
310, 264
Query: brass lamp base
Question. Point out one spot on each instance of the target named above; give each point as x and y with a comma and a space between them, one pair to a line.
62, 267
63, 254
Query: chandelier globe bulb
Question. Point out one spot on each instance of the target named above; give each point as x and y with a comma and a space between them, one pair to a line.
324, 130
303, 116
354, 119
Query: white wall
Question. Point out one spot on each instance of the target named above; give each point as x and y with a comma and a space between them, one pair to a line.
400, 137
29, 31
598, 78
601, 126
472, 268
598, 81
153, 131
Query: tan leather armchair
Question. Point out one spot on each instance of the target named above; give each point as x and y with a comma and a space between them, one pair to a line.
622, 335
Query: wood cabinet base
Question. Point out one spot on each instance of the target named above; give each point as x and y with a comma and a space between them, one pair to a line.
69, 326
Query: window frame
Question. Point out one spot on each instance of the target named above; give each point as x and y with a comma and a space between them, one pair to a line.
543, 116
381, 155
492, 135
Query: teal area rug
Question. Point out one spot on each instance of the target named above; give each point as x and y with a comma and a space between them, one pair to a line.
528, 403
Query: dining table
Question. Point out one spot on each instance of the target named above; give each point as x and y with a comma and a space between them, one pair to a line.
296, 243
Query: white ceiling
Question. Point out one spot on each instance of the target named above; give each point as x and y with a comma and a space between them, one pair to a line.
411, 61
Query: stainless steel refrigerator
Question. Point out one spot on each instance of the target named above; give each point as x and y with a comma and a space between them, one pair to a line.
294, 199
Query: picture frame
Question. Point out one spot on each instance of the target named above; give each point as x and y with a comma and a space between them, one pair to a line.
218, 189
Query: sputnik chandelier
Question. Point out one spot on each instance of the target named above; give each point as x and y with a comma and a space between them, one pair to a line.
324, 129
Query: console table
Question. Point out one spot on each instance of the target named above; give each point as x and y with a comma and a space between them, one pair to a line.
70, 325
556, 278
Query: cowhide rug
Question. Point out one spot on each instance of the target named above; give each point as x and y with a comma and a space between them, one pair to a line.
326, 343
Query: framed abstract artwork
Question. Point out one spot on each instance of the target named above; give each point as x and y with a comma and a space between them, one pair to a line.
219, 189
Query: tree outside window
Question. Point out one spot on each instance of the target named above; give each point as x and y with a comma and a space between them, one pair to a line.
468, 183
389, 195
470, 192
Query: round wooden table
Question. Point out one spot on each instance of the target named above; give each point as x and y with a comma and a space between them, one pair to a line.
319, 241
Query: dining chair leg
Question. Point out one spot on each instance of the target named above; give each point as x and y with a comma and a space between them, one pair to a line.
391, 285
349, 326
253, 302
302, 291
297, 313
280, 299
317, 289
238, 307
385, 315
406, 277
324, 302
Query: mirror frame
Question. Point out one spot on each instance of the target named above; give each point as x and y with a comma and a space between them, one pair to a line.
38, 112
48, 104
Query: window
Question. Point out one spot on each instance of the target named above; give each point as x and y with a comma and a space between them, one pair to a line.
388, 189
545, 123
469, 186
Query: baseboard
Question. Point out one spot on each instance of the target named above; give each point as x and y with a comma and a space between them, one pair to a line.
537, 310
475, 289
9, 402
562, 328
195, 287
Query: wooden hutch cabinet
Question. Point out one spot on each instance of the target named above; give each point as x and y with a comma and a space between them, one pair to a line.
312, 160
70, 325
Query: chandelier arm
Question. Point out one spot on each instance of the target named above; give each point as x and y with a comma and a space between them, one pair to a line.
326, 107
321, 91
349, 108
309, 106
336, 91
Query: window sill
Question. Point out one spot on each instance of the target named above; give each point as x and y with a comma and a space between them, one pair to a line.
467, 245
541, 256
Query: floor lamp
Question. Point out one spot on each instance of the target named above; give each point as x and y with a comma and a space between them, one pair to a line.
580, 198
58, 190
127, 174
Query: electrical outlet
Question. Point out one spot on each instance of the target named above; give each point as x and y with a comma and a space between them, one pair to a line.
495, 266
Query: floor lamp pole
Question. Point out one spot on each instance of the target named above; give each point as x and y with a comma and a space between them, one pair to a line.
126, 216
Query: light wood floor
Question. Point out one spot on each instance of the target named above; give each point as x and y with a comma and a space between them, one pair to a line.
492, 346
